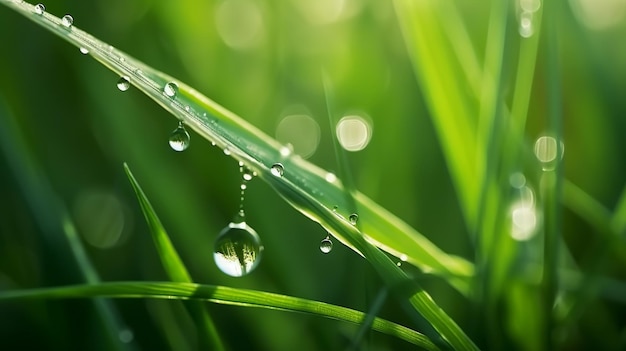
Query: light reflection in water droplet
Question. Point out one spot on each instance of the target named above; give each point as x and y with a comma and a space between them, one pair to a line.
40, 9
277, 169
326, 245
237, 250
123, 83
170, 89
179, 139
67, 21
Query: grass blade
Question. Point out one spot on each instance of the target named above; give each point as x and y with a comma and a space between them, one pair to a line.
259, 152
174, 266
221, 295
172, 263
52, 215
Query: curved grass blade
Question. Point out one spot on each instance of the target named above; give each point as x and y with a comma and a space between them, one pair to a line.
221, 295
302, 184
174, 266
259, 152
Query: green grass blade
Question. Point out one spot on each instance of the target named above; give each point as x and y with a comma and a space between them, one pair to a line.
259, 152
174, 265
552, 182
453, 108
221, 295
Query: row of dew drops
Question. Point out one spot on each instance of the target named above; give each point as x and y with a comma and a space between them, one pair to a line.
238, 248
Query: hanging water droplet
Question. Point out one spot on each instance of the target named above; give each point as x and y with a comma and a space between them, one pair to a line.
353, 218
399, 263
238, 249
326, 245
40, 9
226, 151
277, 169
123, 83
170, 89
247, 174
67, 21
179, 139
84, 51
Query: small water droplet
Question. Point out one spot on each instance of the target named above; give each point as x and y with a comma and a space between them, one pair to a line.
326, 245
399, 263
277, 169
187, 108
247, 174
123, 83
353, 218
226, 151
238, 249
549, 151
330, 177
170, 89
40, 9
84, 51
213, 143
67, 21
179, 139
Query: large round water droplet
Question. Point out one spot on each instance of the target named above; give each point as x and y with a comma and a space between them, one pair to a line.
326, 245
238, 250
84, 51
353, 218
67, 21
179, 139
123, 83
277, 169
40, 9
170, 89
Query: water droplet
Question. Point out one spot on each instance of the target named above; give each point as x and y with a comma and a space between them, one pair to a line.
246, 173
237, 250
399, 263
526, 20
179, 139
170, 89
548, 151
84, 51
67, 21
122, 59
226, 151
123, 83
326, 245
187, 108
353, 218
126, 336
277, 169
330, 177
40, 9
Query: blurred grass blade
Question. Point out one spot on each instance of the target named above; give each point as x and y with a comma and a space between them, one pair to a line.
221, 295
453, 108
52, 216
259, 152
174, 266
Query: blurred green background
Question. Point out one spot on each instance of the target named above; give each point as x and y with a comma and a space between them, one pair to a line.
67, 129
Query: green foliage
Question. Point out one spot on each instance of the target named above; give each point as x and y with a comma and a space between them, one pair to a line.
452, 156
